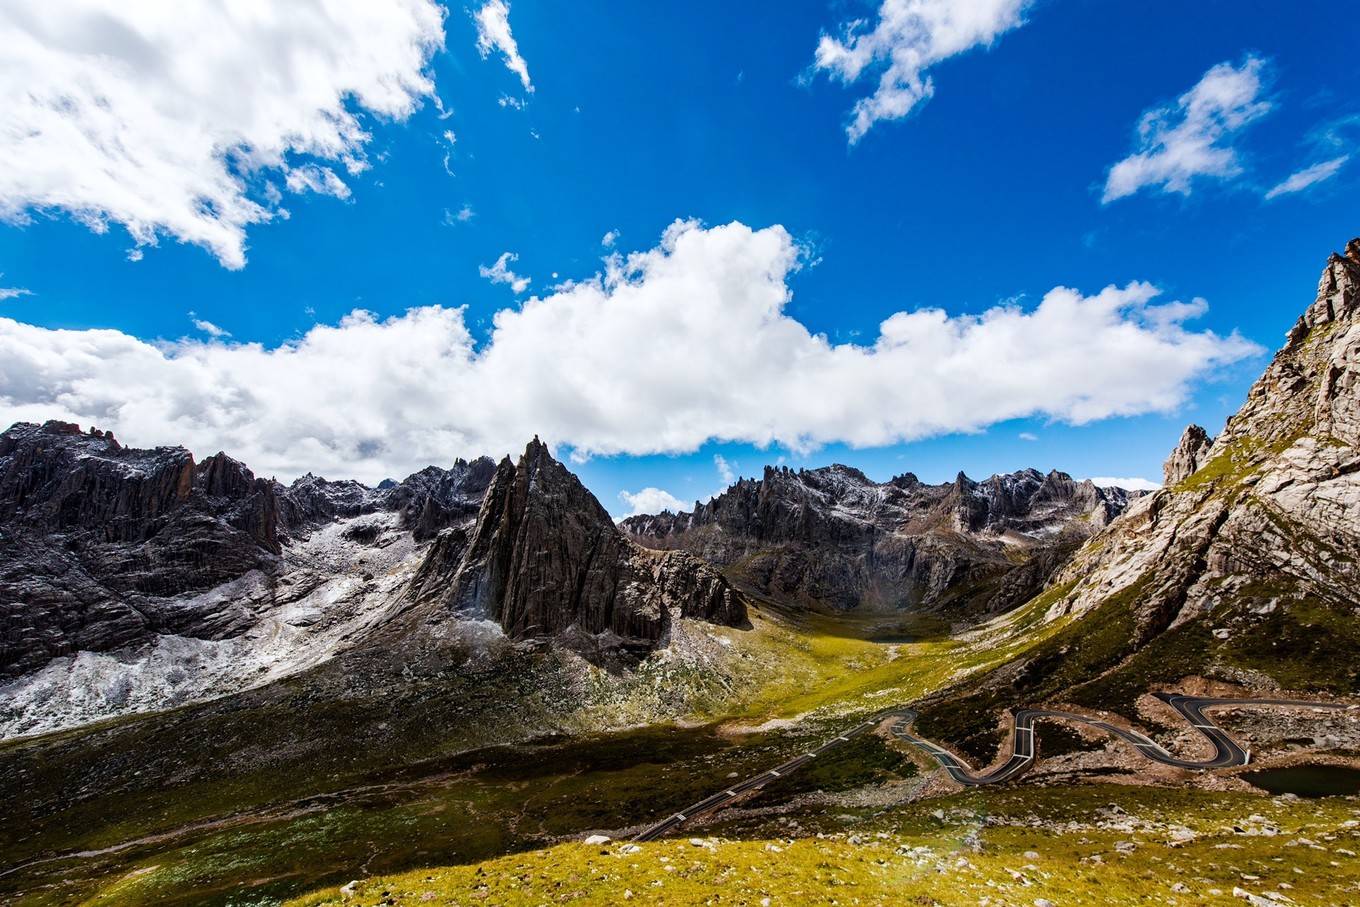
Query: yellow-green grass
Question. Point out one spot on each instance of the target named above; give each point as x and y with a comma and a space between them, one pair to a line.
1017, 847
839, 665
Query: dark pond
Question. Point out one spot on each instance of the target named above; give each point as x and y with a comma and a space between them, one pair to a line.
1307, 780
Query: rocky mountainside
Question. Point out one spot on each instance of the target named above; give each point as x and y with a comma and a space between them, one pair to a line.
833, 536
1244, 568
134, 579
545, 559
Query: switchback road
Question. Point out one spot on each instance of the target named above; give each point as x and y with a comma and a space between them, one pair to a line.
1227, 752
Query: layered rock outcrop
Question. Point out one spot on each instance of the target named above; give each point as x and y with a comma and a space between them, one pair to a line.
1248, 563
545, 559
832, 536
1190, 454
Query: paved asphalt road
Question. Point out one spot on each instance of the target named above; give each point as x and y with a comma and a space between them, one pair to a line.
1227, 752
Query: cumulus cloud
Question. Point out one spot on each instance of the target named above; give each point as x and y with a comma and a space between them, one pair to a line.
650, 500
1193, 136
167, 117
500, 273
493, 34
905, 40
1129, 483
609, 239
665, 350
1308, 176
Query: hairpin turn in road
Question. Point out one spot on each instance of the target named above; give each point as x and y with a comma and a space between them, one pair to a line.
1227, 752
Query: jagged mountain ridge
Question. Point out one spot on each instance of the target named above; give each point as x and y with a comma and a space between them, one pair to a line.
134, 579
545, 558
834, 536
107, 546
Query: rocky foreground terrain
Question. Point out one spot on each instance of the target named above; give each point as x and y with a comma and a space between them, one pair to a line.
834, 537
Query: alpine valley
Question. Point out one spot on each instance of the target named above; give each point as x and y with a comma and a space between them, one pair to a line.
218, 688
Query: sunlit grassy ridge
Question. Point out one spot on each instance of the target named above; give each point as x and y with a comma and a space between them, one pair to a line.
1014, 847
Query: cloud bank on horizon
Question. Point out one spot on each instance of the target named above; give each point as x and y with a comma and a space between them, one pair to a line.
663, 351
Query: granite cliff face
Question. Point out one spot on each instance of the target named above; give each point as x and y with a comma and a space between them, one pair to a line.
1246, 565
545, 559
833, 536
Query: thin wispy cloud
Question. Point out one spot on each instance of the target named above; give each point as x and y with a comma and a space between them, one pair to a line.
905, 40
208, 327
642, 358
1308, 176
163, 118
500, 273
493, 34
1192, 138
461, 216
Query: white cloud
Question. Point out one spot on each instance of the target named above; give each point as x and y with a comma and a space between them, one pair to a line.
907, 38
461, 216
493, 33
1193, 136
208, 327
500, 273
727, 474
651, 500
507, 100
166, 117
1128, 483
609, 239
1309, 176
1028, 436
313, 178
13, 292
667, 349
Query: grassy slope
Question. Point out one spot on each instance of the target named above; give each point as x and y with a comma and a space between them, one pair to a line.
408, 795
1012, 847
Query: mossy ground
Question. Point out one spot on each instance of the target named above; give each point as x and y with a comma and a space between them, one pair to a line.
1069, 847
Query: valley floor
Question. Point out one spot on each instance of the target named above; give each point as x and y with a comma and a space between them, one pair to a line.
506, 818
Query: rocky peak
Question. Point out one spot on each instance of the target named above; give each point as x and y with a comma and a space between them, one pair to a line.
1255, 530
545, 559
1190, 454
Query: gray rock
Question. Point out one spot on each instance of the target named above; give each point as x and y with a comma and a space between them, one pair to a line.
1190, 454
833, 536
545, 559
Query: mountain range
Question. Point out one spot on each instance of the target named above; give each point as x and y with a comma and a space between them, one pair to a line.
210, 645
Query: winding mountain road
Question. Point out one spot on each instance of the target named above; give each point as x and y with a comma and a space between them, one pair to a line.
1227, 752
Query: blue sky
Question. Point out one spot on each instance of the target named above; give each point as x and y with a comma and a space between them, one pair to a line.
992, 189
